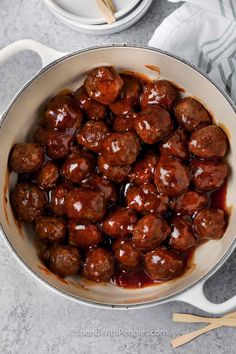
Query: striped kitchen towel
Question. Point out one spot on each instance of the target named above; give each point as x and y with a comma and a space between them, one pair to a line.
204, 33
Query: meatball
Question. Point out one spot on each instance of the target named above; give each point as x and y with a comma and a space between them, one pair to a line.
92, 134
117, 174
50, 230
84, 234
129, 96
96, 181
47, 177
126, 255
28, 201
207, 175
62, 112
209, 224
189, 202
208, 142
176, 145
85, 203
94, 110
64, 260
149, 232
191, 114
119, 222
163, 264
120, 148
26, 157
77, 167
125, 123
57, 200
171, 176
98, 265
57, 143
182, 236
103, 85
145, 199
153, 124
143, 169
160, 92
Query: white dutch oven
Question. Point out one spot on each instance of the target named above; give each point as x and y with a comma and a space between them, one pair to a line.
62, 70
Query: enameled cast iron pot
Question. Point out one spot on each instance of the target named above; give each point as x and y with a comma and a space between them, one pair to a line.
62, 70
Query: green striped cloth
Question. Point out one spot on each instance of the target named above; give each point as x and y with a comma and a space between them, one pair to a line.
204, 33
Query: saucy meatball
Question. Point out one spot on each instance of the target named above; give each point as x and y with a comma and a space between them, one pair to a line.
176, 145
125, 254
62, 113
57, 143
64, 260
125, 123
117, 174
26, 157
85, 203
189, 202
207, 175
208, 142
163, 264
98, 265
96, 181
91, 135
84, 234
50, 230
28, 201
160, 92
182, 236
77, 167
171, 176
153, 124
209, 224
145, 199
120, 148
104, 84
150, 231
191, 114
143, 169
57, 200
94, 110
119, 222
129, 96
47, 177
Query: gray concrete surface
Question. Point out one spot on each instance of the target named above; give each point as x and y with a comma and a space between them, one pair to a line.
34, 320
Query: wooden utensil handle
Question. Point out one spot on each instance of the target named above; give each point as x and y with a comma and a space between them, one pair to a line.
178, 317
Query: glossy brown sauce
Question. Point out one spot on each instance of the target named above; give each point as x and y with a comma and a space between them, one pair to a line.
153, 68
46, 271
139, 279
5, 195
142, 77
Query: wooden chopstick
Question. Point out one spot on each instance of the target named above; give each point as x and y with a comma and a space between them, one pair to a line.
106, 11
177, 342
180, 317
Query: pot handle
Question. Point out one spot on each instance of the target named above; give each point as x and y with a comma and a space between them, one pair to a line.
46, 53
196, 297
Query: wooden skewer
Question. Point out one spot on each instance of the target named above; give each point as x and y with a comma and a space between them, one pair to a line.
110, 4
180, 317
106, 11
177, 342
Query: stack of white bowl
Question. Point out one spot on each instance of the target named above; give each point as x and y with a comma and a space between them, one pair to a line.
84, 15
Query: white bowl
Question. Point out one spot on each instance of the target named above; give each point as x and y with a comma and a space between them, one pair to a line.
86, 11
19, 121
115, 27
